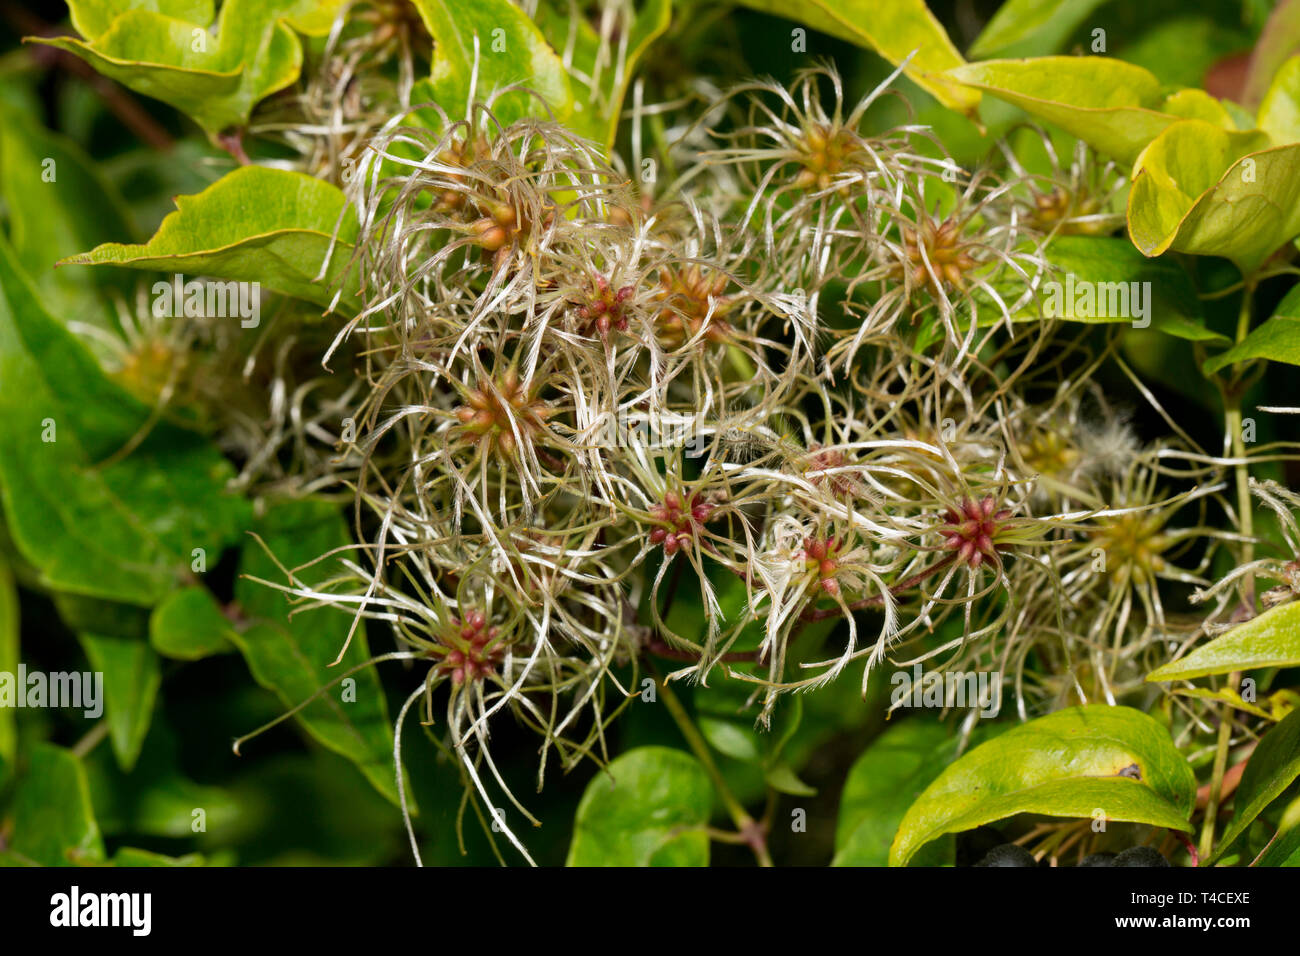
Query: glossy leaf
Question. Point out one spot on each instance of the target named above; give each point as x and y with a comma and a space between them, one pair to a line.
1279, 114
1095, 274
91, 18
895, 29
292, 656
118, 528
1271, 769
188, 626
1270, 640
486, 45
1072, 763
254, 225
1211, 192
883, 783
53, 821
1277, 339
132, 676
1113, 106
216, 80
648, 808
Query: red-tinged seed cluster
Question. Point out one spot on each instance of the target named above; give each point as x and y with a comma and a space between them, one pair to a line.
605, 308
821, 557
471, 654
972, 530
488, 413
679, 522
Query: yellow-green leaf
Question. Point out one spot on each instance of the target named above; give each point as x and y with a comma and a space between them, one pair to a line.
486, 45
896, 29
1113, 106
1277, 339
1212, 192
1270, 640
1279, 113
1081, 762
215, 79
254, 224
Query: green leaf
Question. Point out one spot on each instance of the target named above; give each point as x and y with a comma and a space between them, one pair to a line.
781, 777
216, 80
292, 656
882, 783
131, 679
1031, 27
121, 529
1113, 106
648, 808
1279, 114
8, 665
1284, 848
1072, 763
1276, 339
1271, 769
510, 50
53, 822
1095, 274
315, 18
893, 28
1270, 640
253, 225
601, 71
188, 626
91, 18
1212, 192
58, 203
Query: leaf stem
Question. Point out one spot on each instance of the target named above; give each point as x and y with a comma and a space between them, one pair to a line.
750, 831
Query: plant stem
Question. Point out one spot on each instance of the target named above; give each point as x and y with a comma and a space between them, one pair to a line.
1233, 422
1232, 395
1216, 780
91, 739
748, 828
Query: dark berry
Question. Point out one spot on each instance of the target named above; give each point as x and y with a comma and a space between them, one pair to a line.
1098, 859
1008, 855
1140, 856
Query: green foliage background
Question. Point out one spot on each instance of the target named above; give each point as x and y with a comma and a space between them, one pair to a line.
95, 547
